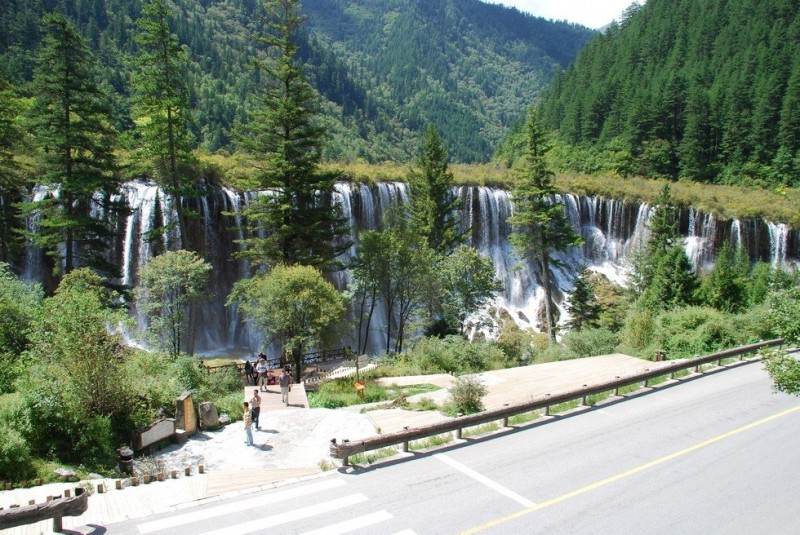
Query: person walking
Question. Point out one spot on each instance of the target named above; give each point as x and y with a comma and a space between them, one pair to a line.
285, 383
248, 421
261, 368
255, 407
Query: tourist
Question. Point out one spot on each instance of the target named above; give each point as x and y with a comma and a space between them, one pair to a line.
255, 407
248, 371
261, 369
286, 386
248, 421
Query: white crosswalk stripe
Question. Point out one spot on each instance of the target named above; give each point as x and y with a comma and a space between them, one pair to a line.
352, 524
323, 507
289, 516
235, 507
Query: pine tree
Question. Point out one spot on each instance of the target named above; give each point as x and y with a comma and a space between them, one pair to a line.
296, 221
583, 308
540, 225
10, 169
162, 110
433, 205
71, 121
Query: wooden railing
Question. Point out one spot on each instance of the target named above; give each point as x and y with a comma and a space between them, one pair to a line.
347, 448
315, 357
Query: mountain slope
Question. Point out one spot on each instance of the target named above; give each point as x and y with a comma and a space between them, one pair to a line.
705, 90
385, 68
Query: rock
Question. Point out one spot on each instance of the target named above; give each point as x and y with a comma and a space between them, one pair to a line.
65, 473
224, 419
181, 436
209, 418
94, 476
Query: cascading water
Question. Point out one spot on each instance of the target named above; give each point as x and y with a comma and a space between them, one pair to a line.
611, 230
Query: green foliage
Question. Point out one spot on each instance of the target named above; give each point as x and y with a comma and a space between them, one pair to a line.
540, 225
590, 342
433, 205
169, 285
583, 308
292, 305
19, 303
639, 328
785, 372
691, 331
71, 122
297, 221
15, 455
466, 395
711, 97
725, 287
397, 265
468, 284
161, 107
452, 354
783, 308
76, 396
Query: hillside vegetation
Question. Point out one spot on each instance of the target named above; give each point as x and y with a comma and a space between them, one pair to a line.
384, 69
704, 90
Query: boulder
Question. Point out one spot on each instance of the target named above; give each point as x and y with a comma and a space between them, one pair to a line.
224, 419
65, 473
209, 417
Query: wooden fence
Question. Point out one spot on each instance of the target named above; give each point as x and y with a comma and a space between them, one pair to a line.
315, 357
347, 448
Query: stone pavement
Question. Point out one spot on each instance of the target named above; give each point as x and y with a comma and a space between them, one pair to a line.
293, 440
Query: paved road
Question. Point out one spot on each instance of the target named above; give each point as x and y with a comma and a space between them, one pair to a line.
713, 455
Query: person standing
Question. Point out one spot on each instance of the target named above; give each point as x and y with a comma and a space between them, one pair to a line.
255, 407
261, 368
248, 421
285, 383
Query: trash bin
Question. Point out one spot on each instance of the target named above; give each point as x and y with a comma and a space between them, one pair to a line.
126, 460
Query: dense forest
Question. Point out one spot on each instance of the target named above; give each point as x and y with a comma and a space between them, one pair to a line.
705, 90
384, 69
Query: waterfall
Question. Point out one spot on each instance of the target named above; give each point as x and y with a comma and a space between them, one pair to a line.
611, 230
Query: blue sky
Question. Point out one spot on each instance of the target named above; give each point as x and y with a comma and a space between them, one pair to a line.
591, 13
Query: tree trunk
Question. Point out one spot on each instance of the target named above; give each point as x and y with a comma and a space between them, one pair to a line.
548, 298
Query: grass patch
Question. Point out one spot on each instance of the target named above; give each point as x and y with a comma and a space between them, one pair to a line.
431, 442
479, 429
424, 404
564, 407
341, 393
326, 465
369, 457
524, 417
594, 399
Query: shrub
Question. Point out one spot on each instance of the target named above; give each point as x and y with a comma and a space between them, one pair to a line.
453, 354
639, 328
15, 455
231, 404
685, 332
590, 342
466, 395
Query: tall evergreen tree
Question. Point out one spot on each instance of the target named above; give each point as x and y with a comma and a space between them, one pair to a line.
71, 121
296, 221
583, 308
10, 169
433, 205
540, 225
162, 112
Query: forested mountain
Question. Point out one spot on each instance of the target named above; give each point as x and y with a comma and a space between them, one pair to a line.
704, 90
385, 68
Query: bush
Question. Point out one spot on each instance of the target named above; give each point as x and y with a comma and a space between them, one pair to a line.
639, 328
590, 342
690, 331
466, 396
15, 455
231, 404
452, 354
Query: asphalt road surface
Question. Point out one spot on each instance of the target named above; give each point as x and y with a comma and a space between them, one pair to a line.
717, 454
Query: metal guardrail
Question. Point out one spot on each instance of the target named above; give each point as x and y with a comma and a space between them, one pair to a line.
347, 448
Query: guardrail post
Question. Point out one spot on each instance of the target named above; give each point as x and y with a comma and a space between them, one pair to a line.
405, 446
458, 433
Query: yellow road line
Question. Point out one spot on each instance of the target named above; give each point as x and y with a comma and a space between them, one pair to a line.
627, 473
